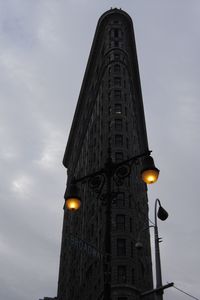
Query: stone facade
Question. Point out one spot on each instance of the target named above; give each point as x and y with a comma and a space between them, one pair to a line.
109, 113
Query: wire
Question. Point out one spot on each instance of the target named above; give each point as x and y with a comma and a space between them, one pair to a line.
185, 293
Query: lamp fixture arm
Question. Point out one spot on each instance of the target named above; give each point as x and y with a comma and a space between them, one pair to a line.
142, 230
134, 158
113, 167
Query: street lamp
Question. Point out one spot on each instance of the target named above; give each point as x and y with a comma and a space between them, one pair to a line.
72, 198
149, 174
116, 172
162, 214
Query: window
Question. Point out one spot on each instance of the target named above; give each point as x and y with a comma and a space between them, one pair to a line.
118, 140
121, 274
133, 276
142, 269
118, 124
116, 44
120, 200
92, 231
120, 222
109, 96
116, 32
132, 249
117, 68
121, 247
119, 157
117, 94
117, 81
116, 56
127, 143
131, 225
118, 108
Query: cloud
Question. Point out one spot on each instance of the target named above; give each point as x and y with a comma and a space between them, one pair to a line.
22, 185
52, 148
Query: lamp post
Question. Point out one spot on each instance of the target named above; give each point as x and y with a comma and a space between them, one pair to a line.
162, 214
118, 172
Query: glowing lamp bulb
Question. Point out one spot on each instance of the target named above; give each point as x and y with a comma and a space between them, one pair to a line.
150, 176
73, 204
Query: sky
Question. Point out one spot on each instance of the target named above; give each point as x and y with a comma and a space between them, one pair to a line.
44, 47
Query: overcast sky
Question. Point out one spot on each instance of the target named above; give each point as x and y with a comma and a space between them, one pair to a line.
44, 47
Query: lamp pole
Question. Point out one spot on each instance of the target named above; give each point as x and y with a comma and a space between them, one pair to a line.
118, 172
107, 257
162, 214
159, 294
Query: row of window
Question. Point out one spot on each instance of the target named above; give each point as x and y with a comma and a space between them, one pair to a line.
115, 33
121, 274
120, 200
117, 68
118, 109
117, 93
119, 141
117, 81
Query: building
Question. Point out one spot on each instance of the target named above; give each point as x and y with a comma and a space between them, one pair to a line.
109, 115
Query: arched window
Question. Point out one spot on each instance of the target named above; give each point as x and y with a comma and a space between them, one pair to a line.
121, 247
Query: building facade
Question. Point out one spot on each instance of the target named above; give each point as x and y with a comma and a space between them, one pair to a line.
108, 122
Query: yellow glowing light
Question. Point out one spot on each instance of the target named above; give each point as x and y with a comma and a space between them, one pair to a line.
73, 204
150, 176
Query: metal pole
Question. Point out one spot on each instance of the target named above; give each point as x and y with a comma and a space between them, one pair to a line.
107, 262
159, 294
